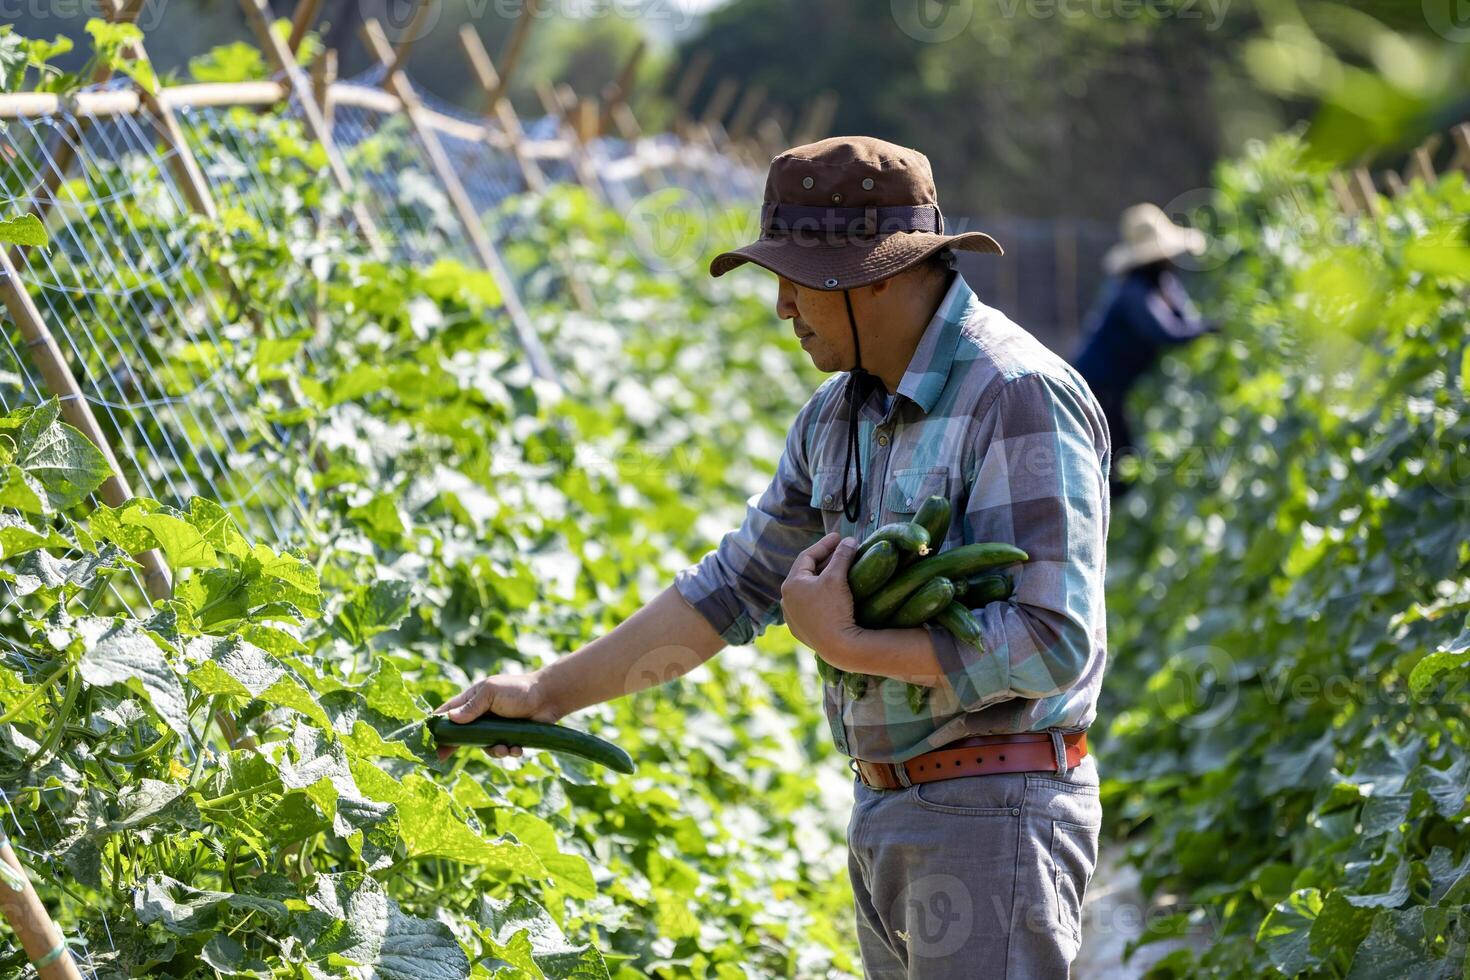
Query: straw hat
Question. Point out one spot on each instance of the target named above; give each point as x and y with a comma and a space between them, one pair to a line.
1149, 236
848, 211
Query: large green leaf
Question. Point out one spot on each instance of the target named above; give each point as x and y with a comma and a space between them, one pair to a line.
124, 653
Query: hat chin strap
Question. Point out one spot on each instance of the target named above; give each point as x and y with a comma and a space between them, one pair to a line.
859, 383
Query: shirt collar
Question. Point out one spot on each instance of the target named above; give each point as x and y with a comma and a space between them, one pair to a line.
928, 371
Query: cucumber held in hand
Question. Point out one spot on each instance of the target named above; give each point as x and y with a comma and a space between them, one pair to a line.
868, 574
933, 517
495, 730
990, 587
956, 618
932, 596
905, 535
956, 563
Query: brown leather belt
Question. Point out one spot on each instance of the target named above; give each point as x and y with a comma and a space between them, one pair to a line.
977, 755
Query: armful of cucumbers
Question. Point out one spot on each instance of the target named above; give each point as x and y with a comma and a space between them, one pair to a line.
900, 579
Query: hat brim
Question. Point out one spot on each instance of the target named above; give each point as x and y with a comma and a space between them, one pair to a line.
1125, 256
817, 265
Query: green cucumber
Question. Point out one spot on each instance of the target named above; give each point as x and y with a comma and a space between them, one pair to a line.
856, 684
918, 694
869, 572
495, 730
905, 535
961, 562
956, 618
933, 516
990, 587
931, 597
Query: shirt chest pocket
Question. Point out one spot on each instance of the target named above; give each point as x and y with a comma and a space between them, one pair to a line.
909, 488
827, 499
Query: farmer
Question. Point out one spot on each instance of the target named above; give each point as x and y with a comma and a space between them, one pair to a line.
1143, 310
975, 825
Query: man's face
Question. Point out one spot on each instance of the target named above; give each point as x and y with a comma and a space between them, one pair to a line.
819, 318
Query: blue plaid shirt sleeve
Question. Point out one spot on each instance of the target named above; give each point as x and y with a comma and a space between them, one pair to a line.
1040, 484
737, 587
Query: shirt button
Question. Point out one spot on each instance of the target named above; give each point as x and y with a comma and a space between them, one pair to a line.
882, 440
909, 502
827, 499
872, 518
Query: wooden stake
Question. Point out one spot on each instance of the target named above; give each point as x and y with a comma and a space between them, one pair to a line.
720, 102
499, 107
323, 75
283, 60
1421, 161
558, 103
301, 21
1343, 193
484, 249
1363, 182
57, 375
1460, 135
515, 45
744, 118
410, 35
688, 85
44, 945
818, 121
1394, 182
616, 93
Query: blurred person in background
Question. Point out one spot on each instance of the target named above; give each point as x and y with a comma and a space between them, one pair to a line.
1144, 309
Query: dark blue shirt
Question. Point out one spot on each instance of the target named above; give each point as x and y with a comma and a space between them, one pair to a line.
1141, 313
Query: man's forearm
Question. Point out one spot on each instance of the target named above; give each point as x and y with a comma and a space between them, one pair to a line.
665, 639
904, 654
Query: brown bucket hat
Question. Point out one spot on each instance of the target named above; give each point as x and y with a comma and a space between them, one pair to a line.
847, 211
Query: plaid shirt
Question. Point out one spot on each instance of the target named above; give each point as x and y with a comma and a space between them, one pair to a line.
991, 419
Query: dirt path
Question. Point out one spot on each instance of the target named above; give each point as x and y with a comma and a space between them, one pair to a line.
1113, 914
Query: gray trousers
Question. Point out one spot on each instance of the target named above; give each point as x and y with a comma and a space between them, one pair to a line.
973, 877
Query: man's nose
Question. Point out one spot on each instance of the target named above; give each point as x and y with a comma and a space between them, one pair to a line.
786, 304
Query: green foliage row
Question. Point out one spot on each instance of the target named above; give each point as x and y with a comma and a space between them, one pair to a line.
1286, 735
235, 781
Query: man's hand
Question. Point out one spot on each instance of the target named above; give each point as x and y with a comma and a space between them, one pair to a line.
816, 600
506, 695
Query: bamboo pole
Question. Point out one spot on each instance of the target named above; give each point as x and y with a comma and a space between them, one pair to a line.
323, 76
558, 102
498, 106
59, 380
301, 20
459, 200
1363, 182
1343, 193
22, 908
719, 103
515, 45
1460, 135
744, 118
615, 93
410, 34
689, 84
818, 121
283, 60
492, 85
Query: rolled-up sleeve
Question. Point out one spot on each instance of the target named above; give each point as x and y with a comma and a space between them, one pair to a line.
1041, 484
737, 587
